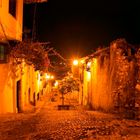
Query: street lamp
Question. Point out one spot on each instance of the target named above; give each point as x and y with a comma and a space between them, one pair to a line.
75, 62
75, 68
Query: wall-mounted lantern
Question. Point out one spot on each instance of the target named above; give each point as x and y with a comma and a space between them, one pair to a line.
88, 66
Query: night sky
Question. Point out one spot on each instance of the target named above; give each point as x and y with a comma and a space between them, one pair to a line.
77, 28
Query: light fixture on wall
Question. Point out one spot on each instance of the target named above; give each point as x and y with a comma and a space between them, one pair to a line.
88, 66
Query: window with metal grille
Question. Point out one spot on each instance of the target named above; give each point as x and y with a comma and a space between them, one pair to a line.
12, 7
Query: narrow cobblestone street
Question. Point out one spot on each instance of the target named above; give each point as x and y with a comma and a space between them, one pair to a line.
49, 123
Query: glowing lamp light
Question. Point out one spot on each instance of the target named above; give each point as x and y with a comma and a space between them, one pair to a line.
47, 76
52, 77
75, 62
88, 64
56, 84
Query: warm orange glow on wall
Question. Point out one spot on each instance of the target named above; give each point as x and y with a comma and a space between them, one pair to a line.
38, 80
8, 23
88, 76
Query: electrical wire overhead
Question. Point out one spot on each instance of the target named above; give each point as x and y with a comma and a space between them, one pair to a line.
34, 1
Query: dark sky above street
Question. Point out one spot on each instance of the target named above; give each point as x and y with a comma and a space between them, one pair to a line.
77, 27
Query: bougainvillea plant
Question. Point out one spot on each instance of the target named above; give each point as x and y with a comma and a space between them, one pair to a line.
32, 54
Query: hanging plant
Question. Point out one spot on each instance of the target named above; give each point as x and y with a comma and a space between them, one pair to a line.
32, 53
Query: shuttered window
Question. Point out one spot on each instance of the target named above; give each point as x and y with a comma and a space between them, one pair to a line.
12, 7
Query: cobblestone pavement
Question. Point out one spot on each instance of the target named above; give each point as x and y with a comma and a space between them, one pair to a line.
49, 123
